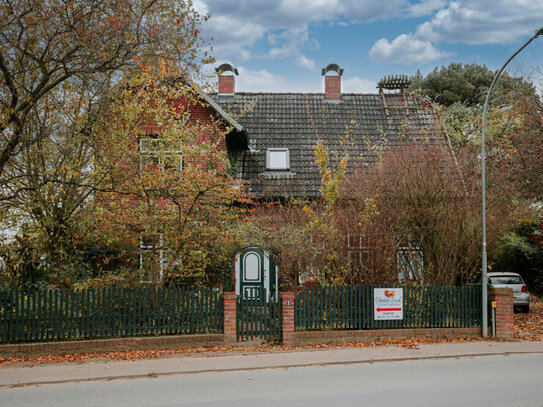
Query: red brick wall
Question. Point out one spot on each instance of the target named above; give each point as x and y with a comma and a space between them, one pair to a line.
332, 86
201, 115
505, 319
229, 299
287, 318
227, 84
303, 338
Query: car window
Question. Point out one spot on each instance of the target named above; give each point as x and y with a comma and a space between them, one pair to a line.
506, 280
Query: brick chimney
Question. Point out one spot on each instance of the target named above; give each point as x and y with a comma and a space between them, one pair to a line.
227, 82
332, 83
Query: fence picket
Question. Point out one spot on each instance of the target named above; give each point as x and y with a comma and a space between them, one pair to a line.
42, 315
351, 307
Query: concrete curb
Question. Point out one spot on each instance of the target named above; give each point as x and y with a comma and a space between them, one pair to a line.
153, 375
152, 368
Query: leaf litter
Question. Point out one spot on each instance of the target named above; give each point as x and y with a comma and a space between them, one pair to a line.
30, 361
530, 326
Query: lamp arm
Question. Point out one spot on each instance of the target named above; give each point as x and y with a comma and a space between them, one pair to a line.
484, 279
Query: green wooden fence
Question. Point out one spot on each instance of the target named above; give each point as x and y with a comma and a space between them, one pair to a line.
351, 307
65, 314
258, 318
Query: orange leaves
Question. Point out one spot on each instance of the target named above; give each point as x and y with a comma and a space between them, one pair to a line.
530, 326
407, 343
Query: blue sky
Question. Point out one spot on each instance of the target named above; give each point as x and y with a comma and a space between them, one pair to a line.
281, 45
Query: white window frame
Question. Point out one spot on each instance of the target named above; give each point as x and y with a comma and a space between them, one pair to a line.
356, 248
156, 152
269, 152
409, 263
162, 257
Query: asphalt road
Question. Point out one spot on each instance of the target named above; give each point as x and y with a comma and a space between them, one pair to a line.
515, 380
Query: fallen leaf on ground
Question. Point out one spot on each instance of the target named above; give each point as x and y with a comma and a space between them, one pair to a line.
407, 343
530, 326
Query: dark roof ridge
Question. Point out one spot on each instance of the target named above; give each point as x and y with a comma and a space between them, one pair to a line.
300, 93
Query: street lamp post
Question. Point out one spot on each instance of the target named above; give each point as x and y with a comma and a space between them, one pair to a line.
483, 181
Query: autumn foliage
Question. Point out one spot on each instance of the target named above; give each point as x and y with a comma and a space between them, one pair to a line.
170, 188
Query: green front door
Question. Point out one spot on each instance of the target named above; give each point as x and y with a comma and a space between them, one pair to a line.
251, 276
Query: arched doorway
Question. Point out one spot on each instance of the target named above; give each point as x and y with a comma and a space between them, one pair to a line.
255, 274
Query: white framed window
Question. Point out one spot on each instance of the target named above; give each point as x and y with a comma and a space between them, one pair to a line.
359, 252
277, 159
166, 154
410, 263
153, 257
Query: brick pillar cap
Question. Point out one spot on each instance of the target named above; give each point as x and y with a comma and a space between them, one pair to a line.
500, 290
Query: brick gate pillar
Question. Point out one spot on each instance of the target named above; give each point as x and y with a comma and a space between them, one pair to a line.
230, 300
287, 318
505, 319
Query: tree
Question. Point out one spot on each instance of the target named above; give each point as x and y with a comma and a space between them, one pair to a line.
60, 66
48, 186
47, 44
170, 189
52, 184
467, 84
459, 92
429, 213
515, 148
513, 142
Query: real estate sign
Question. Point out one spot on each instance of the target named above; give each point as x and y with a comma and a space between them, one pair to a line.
387, 303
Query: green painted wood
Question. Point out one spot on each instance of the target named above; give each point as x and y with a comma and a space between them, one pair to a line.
338, 307
108, 312
258, 317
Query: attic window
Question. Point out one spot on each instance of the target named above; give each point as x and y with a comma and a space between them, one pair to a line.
277, 159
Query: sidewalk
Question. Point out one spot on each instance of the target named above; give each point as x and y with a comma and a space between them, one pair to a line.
190, 364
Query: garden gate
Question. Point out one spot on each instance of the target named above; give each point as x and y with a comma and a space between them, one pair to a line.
258, 309
258, 318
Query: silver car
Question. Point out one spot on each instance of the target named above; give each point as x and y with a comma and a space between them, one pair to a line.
521, 297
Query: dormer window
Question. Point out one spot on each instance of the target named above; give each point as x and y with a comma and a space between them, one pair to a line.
277, 159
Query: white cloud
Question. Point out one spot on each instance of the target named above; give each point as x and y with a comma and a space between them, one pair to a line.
244, 55
358, 85
260, 81
288, 43
305, 62
483, 21
292, 13
266, 81
460, 21
229, 37
240, 24
426, 7
405, 49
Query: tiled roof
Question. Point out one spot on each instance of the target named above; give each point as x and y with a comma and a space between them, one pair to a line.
298, 120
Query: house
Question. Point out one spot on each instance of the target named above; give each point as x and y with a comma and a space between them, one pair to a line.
276, 133
282, 129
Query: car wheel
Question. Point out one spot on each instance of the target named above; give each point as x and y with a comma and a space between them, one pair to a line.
525, 309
